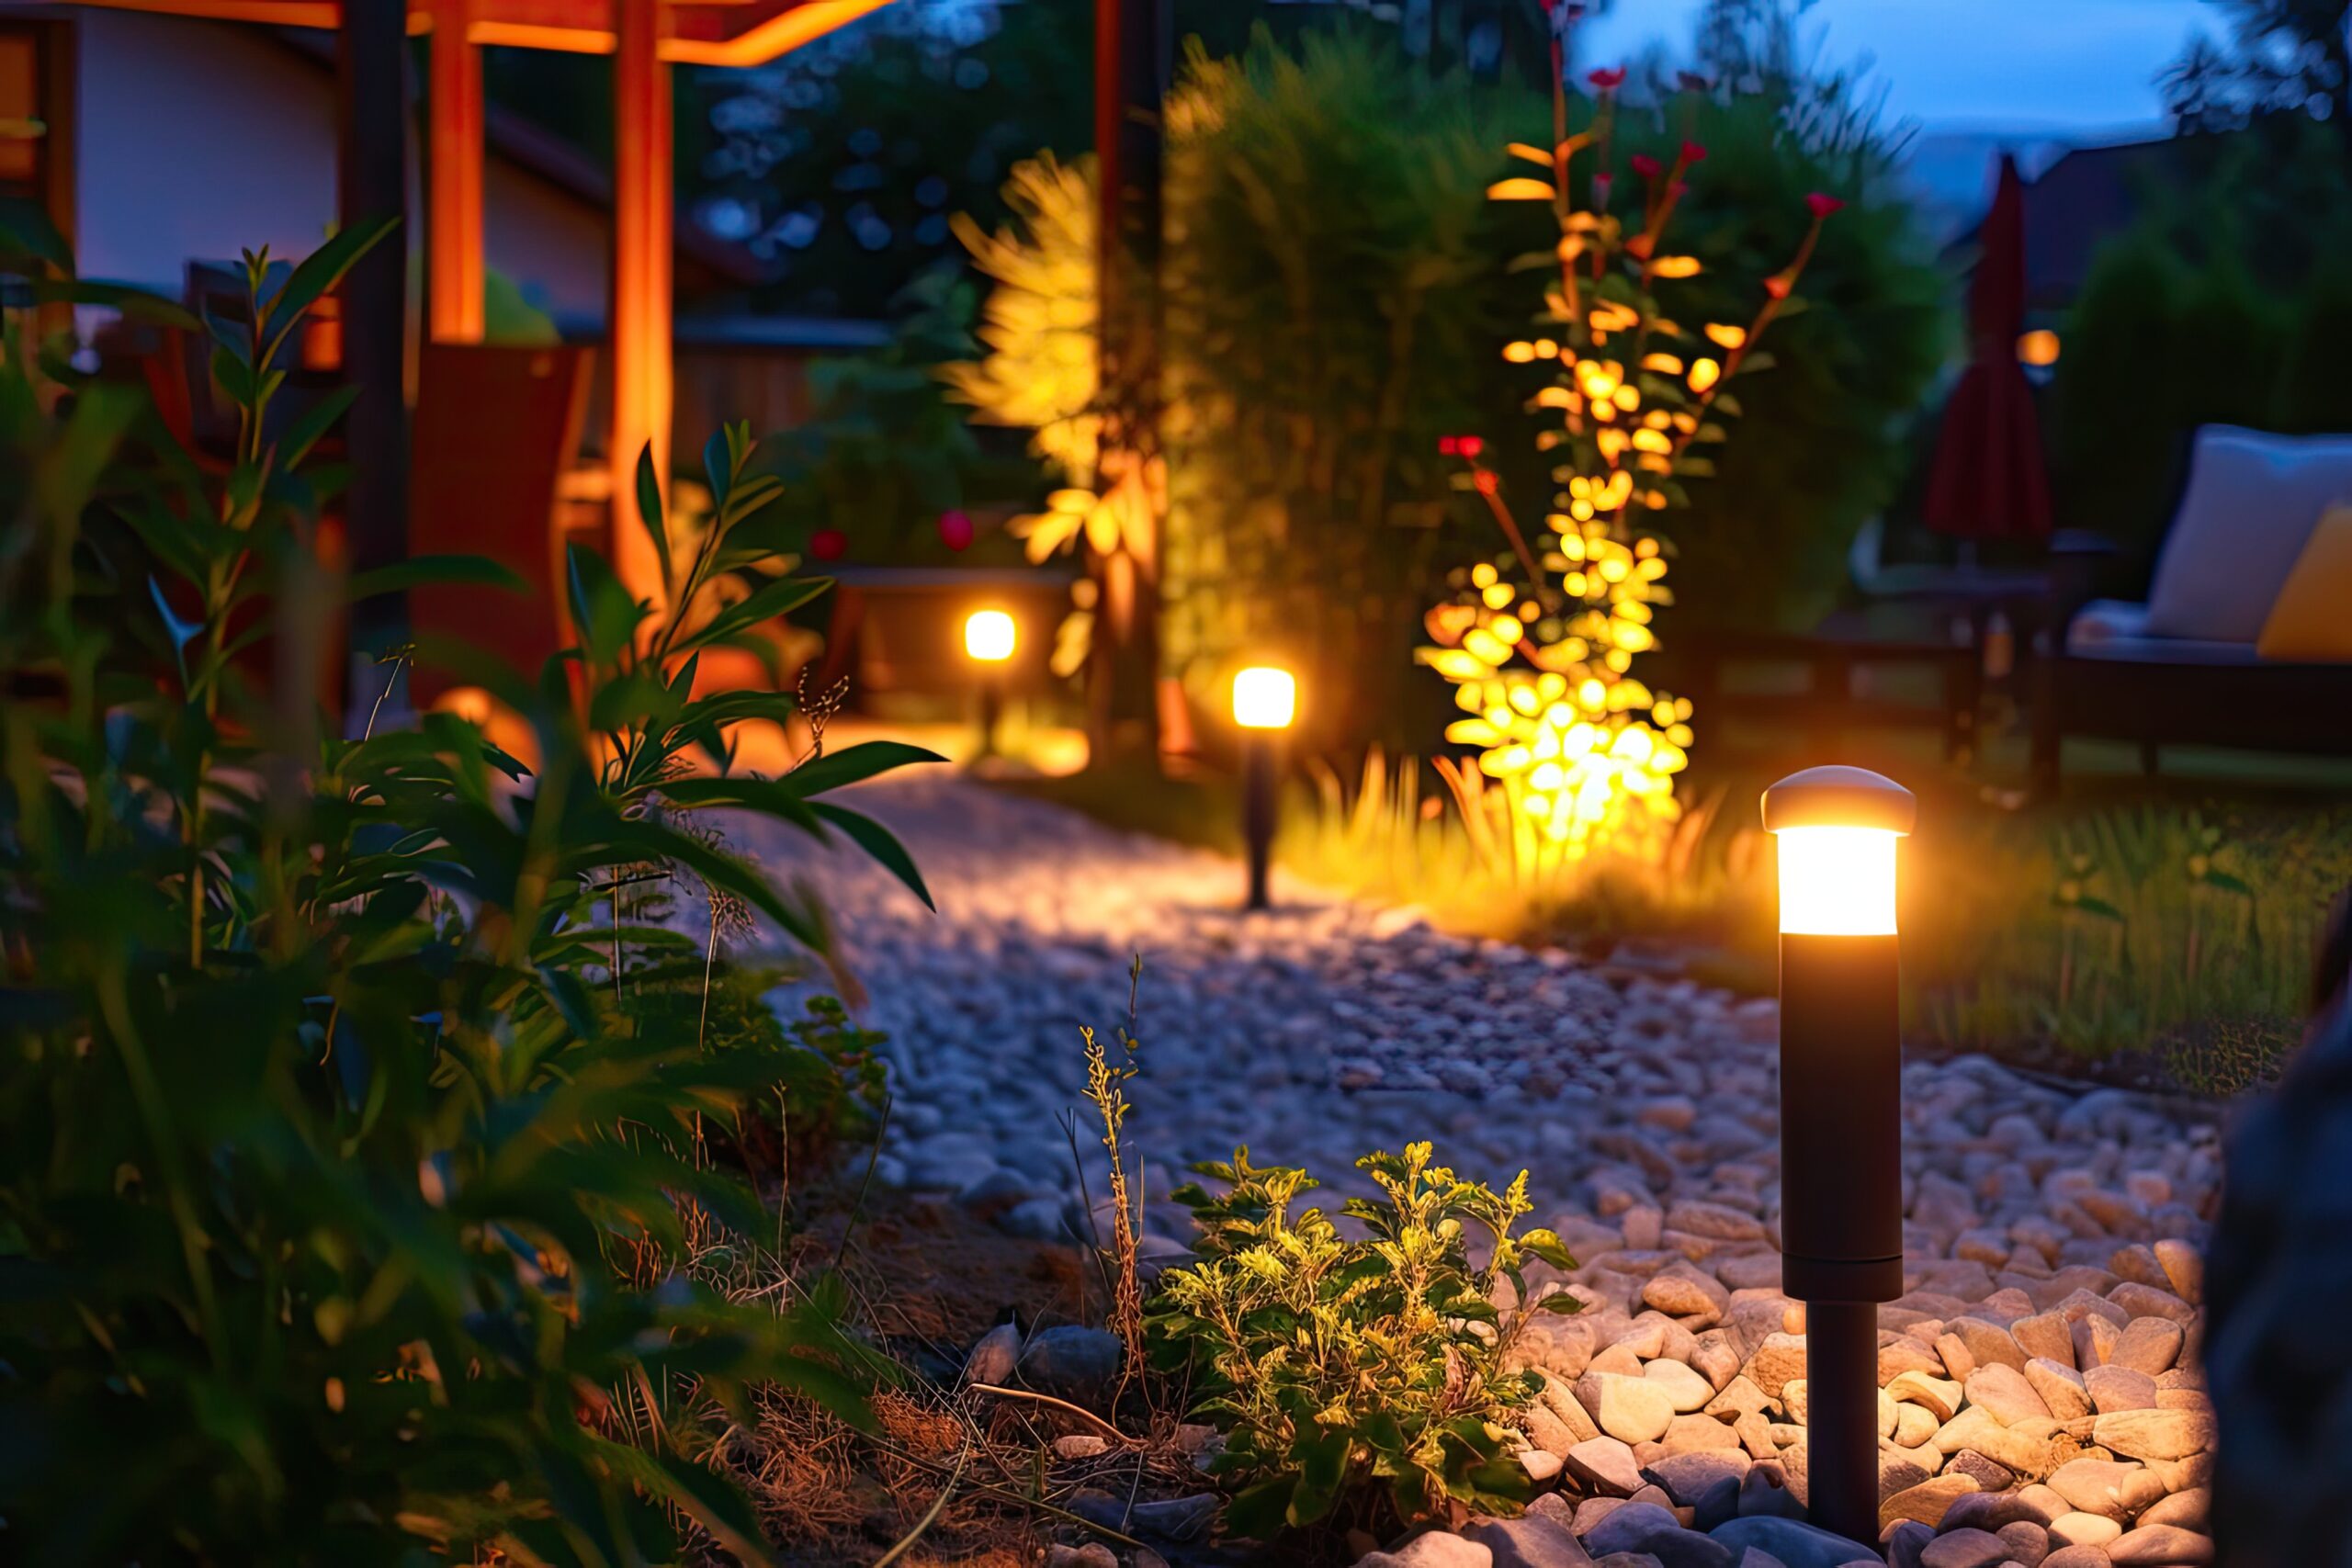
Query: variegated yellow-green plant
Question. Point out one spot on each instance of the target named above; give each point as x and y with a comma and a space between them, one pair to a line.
1360, 1381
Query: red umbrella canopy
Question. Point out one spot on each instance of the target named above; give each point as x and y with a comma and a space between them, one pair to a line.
1988, 481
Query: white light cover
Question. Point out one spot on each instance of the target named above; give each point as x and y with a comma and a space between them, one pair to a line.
1837, 881
989, 636
1264, 698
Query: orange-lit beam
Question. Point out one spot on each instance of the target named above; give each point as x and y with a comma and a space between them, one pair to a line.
779, 35
639, 321
454, 219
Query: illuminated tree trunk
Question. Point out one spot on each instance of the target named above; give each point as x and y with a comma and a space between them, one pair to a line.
1133, 44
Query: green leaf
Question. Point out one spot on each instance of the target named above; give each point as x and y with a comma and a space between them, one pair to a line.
650, 513
602, 610
1261, 1509
852, 764
421, 570
1322, 1461
877, 841
313, 422
317, 273
719, 467
1548, 1246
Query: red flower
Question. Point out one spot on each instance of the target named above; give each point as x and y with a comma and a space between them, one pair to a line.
1821, 204
1487, 483
955, 529
1779, 284
1645, 165
828, 544
1676, 191
1449, 446
1693, 154
1472, 445
1605, 80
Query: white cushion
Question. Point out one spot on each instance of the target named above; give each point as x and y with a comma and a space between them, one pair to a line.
2252, 501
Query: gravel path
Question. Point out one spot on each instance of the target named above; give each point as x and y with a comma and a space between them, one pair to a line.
2046, 1228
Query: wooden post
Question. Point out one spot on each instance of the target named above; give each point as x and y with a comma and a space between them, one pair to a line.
372, 62
641, 341
453, 224
1132, 46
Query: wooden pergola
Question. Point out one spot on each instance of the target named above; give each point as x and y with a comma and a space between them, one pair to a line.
646, 38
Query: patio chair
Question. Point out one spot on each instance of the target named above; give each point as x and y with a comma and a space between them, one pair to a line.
2245, 638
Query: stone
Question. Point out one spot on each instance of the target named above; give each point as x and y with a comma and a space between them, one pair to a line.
1988, 1344
1606, 1465
1995, 1511
1685, 1296
2045, 1334
1914, 1424
1695, 1433
1435, 1549
1072, 1362
1763, 1492
1560, 1399
1899, 1472
2004, 1392
2118, 1387
1738, 1397
2184, 1267
1778, 1359
993, 1356
2062, 1388
2083, 1529
1941, 1396
1906, 1541
2149, 1345
1095, 1554
1177, 1518
1531, 1542
1630, 1528
1905, 1354
1965, 1549
1081, 1445
2027, 1540
2076, 1557
1687, 1477
2117, 1488
2167, 1545
2156, 1434
1593, 1510
1989, 1474
1927, 1502
1633, 1410
2189, 1509
1792, 1542
2094, 1339
1541, 1464
1627, 1559
2138, 1301
1685, 1389
1797, 1396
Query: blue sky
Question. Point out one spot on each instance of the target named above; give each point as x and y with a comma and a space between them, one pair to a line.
2053, 65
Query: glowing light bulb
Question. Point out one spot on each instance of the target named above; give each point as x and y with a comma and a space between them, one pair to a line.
990, 636
1837, 880
1264, 698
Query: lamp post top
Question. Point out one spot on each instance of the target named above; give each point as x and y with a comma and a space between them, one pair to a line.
1839, 797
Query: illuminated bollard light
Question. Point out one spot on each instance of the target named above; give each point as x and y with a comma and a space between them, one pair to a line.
1841, 1130
989, 637
1265, 700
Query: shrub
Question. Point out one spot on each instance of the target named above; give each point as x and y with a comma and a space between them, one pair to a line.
1360, 1381
349, 1168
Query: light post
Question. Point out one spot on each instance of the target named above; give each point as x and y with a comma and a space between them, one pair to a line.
989, 640
1841, 1131
1265, 699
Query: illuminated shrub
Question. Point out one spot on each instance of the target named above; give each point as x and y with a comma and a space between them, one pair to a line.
1540, 642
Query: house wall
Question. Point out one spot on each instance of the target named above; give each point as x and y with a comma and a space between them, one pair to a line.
201, 139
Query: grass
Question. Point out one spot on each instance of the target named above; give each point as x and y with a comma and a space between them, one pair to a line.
2175, 918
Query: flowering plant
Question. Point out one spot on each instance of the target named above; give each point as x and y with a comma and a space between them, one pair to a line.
1539, 642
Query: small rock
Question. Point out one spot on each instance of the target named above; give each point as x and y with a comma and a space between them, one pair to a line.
2116, 1387
1433, 1549
2165, 1544
1686, 1389
1938, 1395
2077, 1557
1093, 1554
1762, 1494
2149, 1344
1534, 1541
1633, 1410
1629, 1528
1792, 1542
1778, 1359
2184, 1266
1605, 1464
2189, 1509
1072, 1362
2062, 1388
1990, 1475
2028, 1541
1177, 1518
1687, 1477
2118, 1489
1965, 1549
993, 1355
2079, 1528
1081, 1445
1927, 1502
2003, 1391
2156, 1434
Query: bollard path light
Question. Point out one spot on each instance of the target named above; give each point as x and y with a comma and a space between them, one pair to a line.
1265, 700
989, 640
1841, 1131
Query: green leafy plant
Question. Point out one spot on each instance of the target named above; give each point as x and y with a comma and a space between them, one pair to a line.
349, 1169
1358, 1379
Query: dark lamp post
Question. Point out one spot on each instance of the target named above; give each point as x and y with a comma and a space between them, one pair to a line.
989, 640
1841, 1131
1265, 700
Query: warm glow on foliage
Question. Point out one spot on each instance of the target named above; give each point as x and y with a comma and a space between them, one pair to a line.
1539, 643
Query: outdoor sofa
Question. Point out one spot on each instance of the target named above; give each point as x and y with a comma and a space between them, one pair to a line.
2245, 638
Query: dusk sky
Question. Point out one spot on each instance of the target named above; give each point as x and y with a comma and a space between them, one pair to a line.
2072, 65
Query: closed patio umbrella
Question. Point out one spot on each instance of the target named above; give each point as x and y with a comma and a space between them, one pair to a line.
1988, 481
